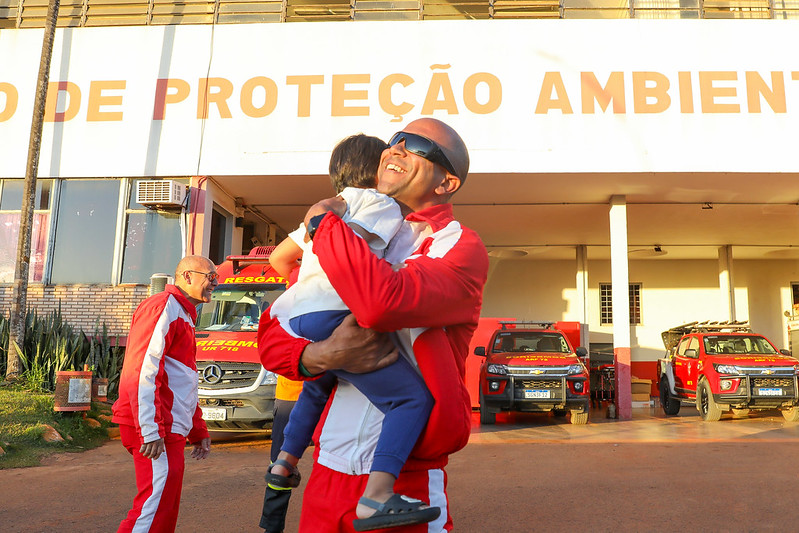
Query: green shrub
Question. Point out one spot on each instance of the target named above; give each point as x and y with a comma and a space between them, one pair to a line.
52, 345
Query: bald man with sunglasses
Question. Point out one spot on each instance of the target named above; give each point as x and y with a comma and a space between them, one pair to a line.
424, 295
157, 410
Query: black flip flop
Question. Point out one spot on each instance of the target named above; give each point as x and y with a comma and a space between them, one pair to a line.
398, 510
283, 482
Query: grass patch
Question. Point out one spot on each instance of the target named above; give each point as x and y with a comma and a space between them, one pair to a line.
24, 417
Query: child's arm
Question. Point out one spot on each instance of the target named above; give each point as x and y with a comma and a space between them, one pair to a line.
285, 257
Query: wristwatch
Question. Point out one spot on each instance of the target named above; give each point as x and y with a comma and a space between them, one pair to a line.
313, 225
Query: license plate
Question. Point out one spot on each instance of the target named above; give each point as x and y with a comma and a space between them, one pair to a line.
214, 413
769, 392
536, 394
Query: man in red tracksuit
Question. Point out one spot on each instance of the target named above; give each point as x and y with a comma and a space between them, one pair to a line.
427, 292
157, 409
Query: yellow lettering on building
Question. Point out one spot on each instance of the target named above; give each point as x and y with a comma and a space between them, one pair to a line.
384, 96
246, 99
169, 91
214, 91
341, 94
11, 100
553, 82
709, 93
650, 92
494, 92
686, 92
97, 100
774, 96
304, 84
592, 92
61, 92
439, 85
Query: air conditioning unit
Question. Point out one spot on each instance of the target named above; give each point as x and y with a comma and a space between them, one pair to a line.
161, 193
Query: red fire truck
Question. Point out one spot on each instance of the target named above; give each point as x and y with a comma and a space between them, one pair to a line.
722, 366
532, 367
236, 393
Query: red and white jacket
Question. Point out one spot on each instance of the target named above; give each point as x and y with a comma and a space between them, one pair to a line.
432, 305
158, 385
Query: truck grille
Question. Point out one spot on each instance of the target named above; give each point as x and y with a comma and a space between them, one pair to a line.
214, 375
538, 383
772, 382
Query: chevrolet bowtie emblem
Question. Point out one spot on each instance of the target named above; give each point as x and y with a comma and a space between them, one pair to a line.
767, 371
537, 371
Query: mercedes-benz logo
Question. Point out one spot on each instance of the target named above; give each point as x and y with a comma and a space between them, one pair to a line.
212, 374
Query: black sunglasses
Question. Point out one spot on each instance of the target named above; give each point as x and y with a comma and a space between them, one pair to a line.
423, 147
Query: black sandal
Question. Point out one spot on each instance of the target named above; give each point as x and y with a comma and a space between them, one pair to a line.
398, 510
283, 482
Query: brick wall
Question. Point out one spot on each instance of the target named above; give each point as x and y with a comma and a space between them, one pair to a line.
83, 305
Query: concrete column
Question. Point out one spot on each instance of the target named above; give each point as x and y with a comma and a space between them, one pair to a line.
582, 292
726, 283
620, 280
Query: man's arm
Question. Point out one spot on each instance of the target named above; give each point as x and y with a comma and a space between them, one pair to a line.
433, 291
146, 346
350, 347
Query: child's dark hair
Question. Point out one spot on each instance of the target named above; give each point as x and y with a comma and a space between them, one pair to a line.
354, 162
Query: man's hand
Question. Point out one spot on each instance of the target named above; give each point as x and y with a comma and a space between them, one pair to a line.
152, 450
350, 348
202, 449
336, 204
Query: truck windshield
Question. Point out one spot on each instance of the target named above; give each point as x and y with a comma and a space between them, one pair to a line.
236, 307
738, 344
530, 341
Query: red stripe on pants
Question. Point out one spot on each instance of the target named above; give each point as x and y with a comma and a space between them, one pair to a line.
158, 482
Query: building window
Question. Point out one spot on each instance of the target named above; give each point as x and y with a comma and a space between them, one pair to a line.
220, 238
11, 192
85, 231
606, 304
152, 241
795, 298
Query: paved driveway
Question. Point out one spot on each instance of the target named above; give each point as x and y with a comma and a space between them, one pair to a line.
527, 473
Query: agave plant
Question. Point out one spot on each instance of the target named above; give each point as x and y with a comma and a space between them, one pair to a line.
52, 345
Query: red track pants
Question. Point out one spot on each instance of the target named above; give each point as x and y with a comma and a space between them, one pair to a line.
329, 500
159, 482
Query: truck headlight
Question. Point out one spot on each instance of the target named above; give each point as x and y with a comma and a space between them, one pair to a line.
270, 378
497, 369
726, 369
577, 369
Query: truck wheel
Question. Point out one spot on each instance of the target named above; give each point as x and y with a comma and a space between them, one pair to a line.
486, 418
559, 412
671, 405
709, 410
579, 418
791, 415
740, 413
